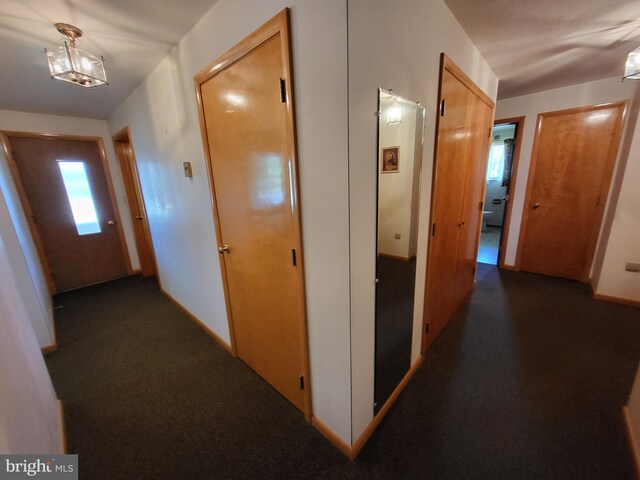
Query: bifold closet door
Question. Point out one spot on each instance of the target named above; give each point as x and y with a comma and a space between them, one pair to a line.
479, 136
462, 140
448, 199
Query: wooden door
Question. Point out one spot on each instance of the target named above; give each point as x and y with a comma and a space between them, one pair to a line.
247, 113
76, 256
571, 165
462, 140
129, 169
448, 200
479, 137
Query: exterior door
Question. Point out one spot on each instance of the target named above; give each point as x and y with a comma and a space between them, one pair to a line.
129, 169
462, 142
68, 195
246, 112
571, 170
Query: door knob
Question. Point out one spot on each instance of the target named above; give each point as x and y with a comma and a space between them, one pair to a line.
223, 248
535, 205
111, 223
138, 217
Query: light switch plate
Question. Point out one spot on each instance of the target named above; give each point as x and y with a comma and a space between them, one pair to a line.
186, 166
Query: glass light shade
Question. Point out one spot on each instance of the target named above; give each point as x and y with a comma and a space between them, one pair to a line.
76, 66
394, 114
632, 68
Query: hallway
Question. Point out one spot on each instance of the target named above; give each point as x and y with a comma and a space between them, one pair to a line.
527, 381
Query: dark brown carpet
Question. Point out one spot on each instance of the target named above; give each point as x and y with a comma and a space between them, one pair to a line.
394, 323
526, 382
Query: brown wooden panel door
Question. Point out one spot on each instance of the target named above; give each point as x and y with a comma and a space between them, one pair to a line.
128, 167
571, 169
75, 259
464, 122
448, 200
252, 171
478, 120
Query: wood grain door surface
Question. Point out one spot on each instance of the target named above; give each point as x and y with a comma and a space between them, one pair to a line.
252, 176
479, 120
461, 154
75, 260
137, 209
448, 199
569, 179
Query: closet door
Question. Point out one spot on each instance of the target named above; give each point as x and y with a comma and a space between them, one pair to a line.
479, 136
247, 121
448, 200
462, 141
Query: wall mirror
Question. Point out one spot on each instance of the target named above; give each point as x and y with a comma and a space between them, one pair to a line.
400, 138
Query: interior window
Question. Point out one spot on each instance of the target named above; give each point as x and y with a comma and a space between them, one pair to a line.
76, 183
496, 161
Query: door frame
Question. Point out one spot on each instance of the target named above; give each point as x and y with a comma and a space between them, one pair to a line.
604, 186
447, 64
26, 206
131, 179
506, 223
279, 24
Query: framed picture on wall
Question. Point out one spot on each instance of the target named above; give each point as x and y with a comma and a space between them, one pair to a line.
390, 159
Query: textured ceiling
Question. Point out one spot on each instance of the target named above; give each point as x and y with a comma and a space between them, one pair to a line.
531, 45
133, 37
536, 45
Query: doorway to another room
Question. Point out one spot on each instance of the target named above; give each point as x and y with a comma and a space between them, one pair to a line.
135, 199
500, 173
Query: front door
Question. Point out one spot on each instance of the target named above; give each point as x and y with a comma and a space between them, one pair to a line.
570, 172
254, 180
68, 195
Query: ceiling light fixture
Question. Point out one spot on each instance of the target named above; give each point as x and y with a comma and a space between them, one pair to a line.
73, 65
394, 113
632, 68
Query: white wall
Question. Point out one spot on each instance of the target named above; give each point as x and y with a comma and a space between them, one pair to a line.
23, 258
623, 236
396, 190
591, 93
29, 415
165, 131
408, 61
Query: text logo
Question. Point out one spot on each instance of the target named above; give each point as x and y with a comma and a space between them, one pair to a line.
49, 467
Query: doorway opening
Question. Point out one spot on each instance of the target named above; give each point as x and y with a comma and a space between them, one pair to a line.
135, 199
501, 164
